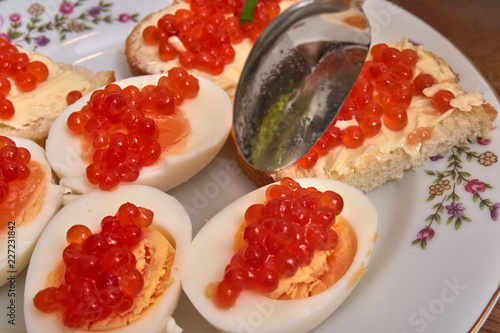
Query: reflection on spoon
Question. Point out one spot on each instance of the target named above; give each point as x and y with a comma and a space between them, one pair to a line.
296, 78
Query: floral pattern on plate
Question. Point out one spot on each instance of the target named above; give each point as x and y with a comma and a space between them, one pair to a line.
54, 22
449, 205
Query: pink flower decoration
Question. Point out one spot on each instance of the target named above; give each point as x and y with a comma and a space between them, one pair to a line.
66, 8
494, 211
124, 18
483, 142
425, 234
474, 186
15, 17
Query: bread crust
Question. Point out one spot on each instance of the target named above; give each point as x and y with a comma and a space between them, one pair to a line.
135, 64
137, 59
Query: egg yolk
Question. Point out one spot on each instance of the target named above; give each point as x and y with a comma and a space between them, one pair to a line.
25, 197
124, 130
21, 184
110, 278
381, 96
295, 245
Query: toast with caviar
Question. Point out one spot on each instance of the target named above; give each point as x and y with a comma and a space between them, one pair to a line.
35, 89
405, 107
206, 40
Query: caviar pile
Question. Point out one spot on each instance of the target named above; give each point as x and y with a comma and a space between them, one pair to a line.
280, 237
100, 275
380, 96
17, 66
207, 31
13, 164
120, 125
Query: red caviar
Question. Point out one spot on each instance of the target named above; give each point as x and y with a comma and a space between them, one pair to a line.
441, 100
207, 32
100, 275
13, 164
380, 97
16, 66
73, 96
21, 183
122, 126
280, 236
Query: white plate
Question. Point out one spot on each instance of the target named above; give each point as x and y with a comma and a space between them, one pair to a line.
446, 287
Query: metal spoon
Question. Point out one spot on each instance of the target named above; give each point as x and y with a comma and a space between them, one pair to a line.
296, 79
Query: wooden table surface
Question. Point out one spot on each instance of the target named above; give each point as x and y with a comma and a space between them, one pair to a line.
474, 28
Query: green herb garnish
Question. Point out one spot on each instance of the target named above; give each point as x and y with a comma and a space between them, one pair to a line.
247, 11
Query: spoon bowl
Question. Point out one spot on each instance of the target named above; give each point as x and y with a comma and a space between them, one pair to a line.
296, 78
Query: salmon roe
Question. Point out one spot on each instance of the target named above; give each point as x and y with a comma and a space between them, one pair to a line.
16, 67
207, 32
13, 164
280, 236
73, 96
380, 97
119, 124
100, 275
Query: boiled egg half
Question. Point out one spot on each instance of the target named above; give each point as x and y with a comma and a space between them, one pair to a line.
35, 207
170, 219
210, 118
213, 248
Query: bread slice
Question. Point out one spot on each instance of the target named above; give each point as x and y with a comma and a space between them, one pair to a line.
143, 58
35, 111
456, 129
382, 159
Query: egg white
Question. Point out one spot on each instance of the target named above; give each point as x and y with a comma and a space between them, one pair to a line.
212, 249
210, 118
26, 235
89, 209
